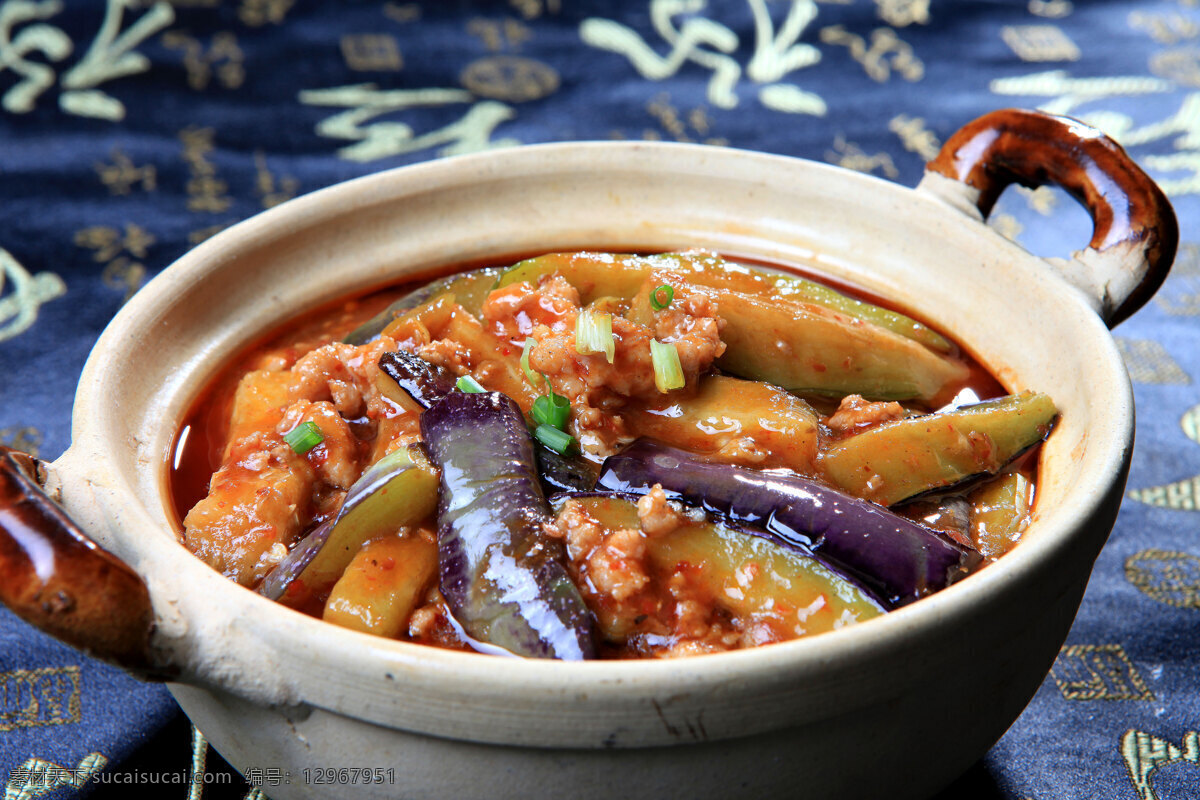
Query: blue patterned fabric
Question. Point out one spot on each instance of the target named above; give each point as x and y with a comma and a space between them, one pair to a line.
130, 131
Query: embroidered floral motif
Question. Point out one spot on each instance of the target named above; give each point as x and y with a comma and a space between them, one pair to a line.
915, 135
22, 294
1168, 577
885, 54
122, 175
1145, 753
364, 102
1098, 672
707, 43
371, 52
109, 247
1039, 43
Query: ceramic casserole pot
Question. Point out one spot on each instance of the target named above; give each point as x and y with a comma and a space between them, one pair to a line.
894, 707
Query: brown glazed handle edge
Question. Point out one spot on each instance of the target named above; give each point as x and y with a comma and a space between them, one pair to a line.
58, 580
1135, 232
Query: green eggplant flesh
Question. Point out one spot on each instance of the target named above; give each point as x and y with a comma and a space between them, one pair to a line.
597, 274
770, 336
750, 576
1000, 513
469, 289
729, 419
398, 490
902, 459
594, 275
809, 349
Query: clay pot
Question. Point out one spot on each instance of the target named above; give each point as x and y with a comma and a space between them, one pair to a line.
894, 707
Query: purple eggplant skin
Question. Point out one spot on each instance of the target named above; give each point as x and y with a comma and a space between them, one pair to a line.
278, 579
558, 498
423, 381
503, 579
426, 382
897, 559
560, 472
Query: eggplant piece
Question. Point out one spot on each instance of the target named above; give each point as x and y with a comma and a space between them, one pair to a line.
423, 383
709, 269
806, 348
503, 579
949, 515
769, 336
897, 559
382, 586
905, 458
818, 294
594, 275
444, 318
620, 275
469, 289
398, 490
747, 571
289, 569
725, 412
559, 472
1000, 513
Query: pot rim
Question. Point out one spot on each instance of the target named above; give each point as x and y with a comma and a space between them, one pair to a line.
286, 633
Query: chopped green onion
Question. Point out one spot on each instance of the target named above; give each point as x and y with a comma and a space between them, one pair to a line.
668, 373
593, 334
552, 410
304, 437
469, 385
553, 438
531, 376
664, 290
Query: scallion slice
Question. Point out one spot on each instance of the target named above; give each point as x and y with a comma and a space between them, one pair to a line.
553, 438
668, 373
552, 410
469, 385
304, 437
593, 334
531, 376
664, 291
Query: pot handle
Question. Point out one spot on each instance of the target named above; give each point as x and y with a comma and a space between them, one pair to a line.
57, 579
1135, 233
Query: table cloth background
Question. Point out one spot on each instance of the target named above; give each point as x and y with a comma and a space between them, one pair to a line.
130, 131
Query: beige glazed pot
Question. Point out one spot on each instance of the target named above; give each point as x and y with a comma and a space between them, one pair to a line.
894, 707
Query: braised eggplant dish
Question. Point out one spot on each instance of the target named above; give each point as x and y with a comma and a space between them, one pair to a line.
592, 455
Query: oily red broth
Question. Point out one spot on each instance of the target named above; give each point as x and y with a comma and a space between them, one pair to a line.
196, 452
